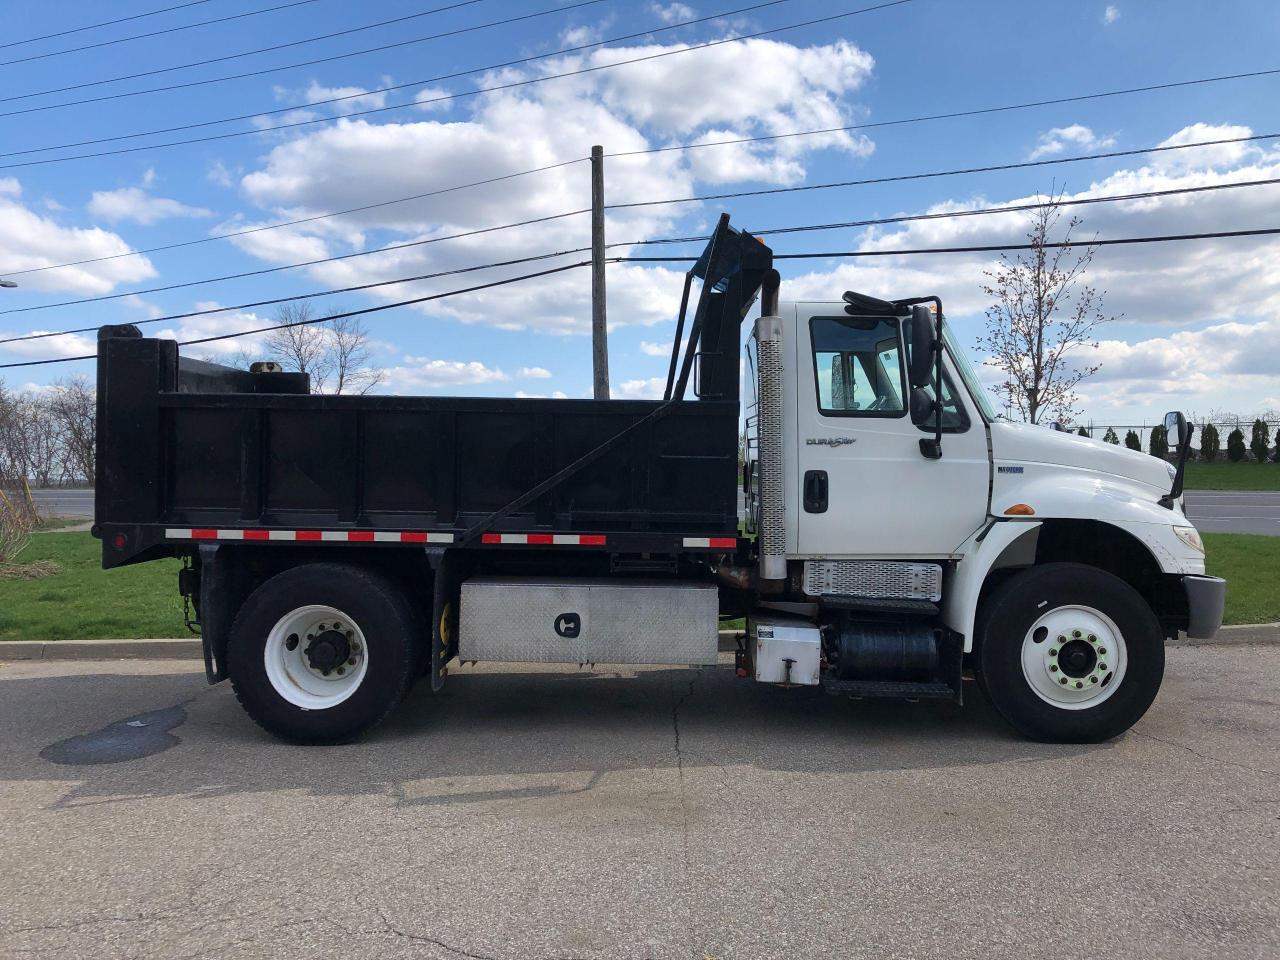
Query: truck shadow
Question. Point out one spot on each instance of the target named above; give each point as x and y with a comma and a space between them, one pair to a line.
555, 734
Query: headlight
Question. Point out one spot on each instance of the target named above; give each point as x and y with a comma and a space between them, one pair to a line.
1191, 537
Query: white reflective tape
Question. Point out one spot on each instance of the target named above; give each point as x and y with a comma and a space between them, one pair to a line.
697, 541
570, 539
514, 538
178, 534
230, 534
339, 536
382, 537
282, 534
439, 538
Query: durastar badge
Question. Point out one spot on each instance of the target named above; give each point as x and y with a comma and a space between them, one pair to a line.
829, 441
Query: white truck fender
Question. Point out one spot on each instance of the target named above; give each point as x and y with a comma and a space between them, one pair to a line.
1005, 542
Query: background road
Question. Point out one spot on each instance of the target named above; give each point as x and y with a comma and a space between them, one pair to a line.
677, 813
1235, 511
64, 502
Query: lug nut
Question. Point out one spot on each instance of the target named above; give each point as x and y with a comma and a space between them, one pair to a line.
1063, 681
1076, 634
1053, 668
1079, 685
1102, 651
1093, 638
349, 633
1102, 666
1061, 638
325, 672
351, 662
1053, 653
342, 670
1093, 679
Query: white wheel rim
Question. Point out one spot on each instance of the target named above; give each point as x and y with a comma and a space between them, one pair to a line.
1074, 657
291, 670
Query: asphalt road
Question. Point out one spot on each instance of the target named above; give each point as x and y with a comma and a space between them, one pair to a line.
674, 813
64, 502
1234, 511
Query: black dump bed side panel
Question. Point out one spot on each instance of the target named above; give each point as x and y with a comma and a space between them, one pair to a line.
169, 458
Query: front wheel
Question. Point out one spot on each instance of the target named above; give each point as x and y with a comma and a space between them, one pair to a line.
322, 652
1069, 653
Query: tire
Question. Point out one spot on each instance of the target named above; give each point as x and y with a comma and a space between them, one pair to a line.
1074, 623
316, 617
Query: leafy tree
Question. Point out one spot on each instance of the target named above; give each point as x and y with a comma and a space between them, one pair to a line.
1158, 442
1210, 443
1110, 436
1235, 445
1083, 432
1131, 441
1260, 441
1044, 316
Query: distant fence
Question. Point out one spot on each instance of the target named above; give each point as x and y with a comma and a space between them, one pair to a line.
1098, 430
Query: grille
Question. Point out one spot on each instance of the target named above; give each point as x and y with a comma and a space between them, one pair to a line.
878, 579
773, 529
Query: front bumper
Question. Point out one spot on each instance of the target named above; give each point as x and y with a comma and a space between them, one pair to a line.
1206, 597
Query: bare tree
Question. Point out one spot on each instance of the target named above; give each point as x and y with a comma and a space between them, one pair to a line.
73, 404
333, 350
1045, 314
31, 440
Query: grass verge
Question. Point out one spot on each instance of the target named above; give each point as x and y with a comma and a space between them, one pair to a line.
1251, 565
84, 602
1232, 476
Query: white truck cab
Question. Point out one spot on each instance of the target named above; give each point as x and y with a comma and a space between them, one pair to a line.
1057, 564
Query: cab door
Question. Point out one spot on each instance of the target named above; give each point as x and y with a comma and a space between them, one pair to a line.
866, 490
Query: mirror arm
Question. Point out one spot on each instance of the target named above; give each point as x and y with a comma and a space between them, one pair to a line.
1184, 450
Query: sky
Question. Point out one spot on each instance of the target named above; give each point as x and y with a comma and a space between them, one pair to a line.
1197, 323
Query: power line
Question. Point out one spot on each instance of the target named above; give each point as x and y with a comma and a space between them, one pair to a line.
959, 113
104, 23
981, 211
840, 254
418, 83
153, 33
335, 316
773, 190
312, 294
983, 248
291, 223
307, 263
279, 46
808, 228
990, 168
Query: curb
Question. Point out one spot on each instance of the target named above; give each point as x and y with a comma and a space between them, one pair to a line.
189, 648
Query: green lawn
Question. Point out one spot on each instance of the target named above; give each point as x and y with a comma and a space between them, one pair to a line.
1251, 564
1232, 476
85, 602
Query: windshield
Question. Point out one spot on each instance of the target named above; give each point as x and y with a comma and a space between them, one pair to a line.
969, 375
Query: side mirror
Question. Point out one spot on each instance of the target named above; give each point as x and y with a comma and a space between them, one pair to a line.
922, 406
922, 348
1175, 429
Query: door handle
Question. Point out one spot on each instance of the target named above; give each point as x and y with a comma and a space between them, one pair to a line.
815, 491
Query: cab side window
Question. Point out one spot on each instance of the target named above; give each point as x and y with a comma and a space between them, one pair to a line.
858, 366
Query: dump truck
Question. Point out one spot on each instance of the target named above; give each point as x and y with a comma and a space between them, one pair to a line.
834, 474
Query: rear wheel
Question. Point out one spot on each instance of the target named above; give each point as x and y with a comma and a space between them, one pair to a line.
1069, 653
322, 652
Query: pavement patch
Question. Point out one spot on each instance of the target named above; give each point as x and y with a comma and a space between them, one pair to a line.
130, 739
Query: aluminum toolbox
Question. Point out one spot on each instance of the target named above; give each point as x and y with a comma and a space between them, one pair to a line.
552, 620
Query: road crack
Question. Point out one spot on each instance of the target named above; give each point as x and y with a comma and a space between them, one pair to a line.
1261, 771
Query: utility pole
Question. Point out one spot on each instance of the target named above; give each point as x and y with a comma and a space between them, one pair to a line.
599, 326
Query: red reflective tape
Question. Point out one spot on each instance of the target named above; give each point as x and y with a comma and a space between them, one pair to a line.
307, 535
592, 540
360, 536
257, 534
410, 537
491, 538
204, 534
728, 542
539, 538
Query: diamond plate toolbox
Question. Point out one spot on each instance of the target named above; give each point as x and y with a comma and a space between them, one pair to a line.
550, 620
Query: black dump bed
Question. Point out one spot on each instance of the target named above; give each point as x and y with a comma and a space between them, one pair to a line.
191, 451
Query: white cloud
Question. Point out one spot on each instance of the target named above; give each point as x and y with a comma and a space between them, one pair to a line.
64, 345
1077, 135
534, 373
772, 87
645, 389
673, 12
655, 349
417, 374
433, 99
352, 97
1203, 158
219, 174
30, 240
136, 205
1111, 14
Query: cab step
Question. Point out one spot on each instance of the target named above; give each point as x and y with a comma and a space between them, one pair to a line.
905, 690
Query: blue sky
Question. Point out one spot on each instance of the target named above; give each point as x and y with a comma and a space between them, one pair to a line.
1201, 324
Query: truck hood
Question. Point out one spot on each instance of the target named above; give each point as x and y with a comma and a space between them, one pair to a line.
1027, 443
